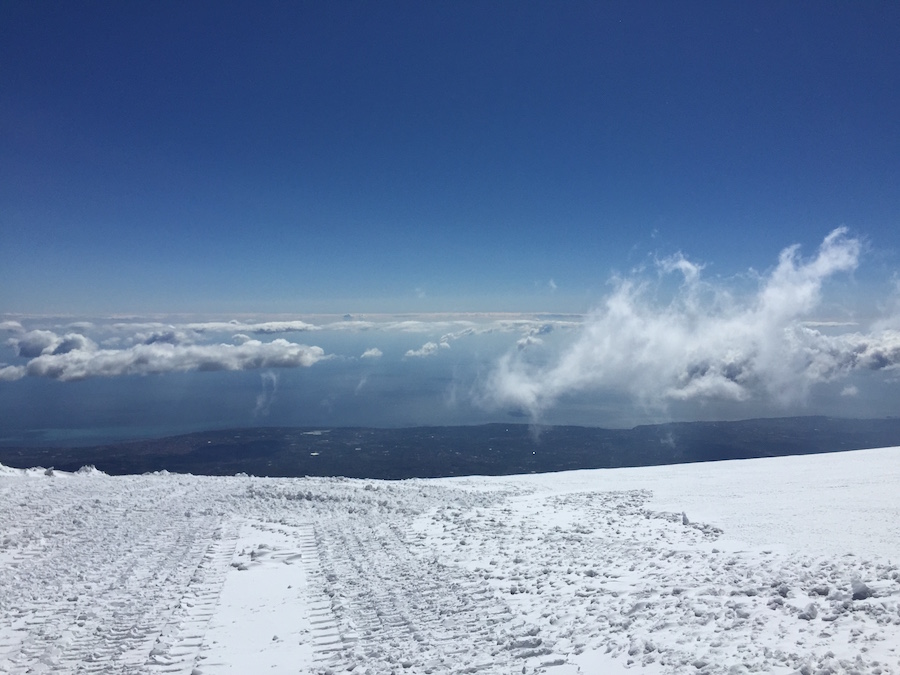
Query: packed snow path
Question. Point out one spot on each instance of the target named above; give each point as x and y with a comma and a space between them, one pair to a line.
567, 573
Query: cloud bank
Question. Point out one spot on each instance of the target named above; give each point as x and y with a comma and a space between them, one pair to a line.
703, 343
75, 357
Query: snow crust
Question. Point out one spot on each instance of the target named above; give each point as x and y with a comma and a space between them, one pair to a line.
767, 566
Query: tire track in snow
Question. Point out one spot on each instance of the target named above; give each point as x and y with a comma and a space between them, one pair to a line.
177, 649
95, 573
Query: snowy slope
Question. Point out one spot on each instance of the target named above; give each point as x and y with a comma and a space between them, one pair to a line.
773, 566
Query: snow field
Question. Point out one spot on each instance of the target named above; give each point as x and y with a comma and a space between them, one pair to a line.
577, 572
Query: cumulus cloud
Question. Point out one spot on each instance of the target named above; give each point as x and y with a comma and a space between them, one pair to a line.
72, 359
10, 373
532, 333
40, 342
427, 349
528, 341
11, 326
703, 343
171, 336
33, 343
372, 353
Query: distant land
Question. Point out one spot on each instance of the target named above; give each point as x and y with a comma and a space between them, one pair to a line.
491, 449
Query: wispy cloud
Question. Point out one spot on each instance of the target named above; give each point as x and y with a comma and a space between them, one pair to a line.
704, 343
262, 328
202, 327
427, 349
265, 398
372, 353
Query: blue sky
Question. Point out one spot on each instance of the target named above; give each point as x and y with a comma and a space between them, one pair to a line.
285, 160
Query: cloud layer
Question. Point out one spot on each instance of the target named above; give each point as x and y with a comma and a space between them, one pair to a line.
703, 343
74, 351
75, 357
664, 341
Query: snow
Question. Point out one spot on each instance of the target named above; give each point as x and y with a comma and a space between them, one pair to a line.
779, 565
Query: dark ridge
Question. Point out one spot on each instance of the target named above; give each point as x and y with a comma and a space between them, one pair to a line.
491, 449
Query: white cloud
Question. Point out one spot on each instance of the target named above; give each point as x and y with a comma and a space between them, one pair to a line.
11, 326
372, 353
262, 328
703, 343
362, 383
678, 263
162, 357
10, 373
33, 343
265, 398
427, 349
850, 390
170, 335
529, 341
232, 326
40, 342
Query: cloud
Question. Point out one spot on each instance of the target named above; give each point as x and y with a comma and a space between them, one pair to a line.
232, 326
529, 341
40, 342
703, 343
372, 353
678, 263
11, 373
33, 343
362, 383
265, 398
263, 328
427, 349
163, 357
11, 326
531, 335
73, 342
171, 336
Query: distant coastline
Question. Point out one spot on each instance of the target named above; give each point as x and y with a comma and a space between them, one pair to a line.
438, 451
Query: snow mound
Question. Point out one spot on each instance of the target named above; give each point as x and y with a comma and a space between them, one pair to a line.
90, 470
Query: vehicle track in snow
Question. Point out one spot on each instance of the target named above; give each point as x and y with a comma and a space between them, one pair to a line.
387, 604
126, 575
92, 573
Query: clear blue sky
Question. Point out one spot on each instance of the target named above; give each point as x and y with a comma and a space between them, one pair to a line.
344, 156
209, 169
